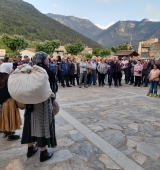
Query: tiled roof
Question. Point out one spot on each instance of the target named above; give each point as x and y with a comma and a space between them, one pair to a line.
126, 53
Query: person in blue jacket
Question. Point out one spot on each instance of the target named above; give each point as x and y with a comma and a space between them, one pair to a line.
64, 69
53, 65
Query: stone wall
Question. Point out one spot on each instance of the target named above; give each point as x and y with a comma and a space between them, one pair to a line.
146, 44
155, 50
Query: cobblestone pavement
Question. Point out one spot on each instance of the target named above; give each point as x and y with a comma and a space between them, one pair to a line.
97, 129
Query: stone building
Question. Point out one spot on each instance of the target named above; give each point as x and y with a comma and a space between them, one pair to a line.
145, 49
30, 52
87, 51
2, 52
155, 50
61, 51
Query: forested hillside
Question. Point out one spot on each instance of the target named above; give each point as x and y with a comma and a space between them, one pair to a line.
19, 17
83, 26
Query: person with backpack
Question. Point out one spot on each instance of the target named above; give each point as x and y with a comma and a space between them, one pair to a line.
39, 122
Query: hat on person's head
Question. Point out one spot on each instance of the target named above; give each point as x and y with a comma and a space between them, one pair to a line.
6, 68
39, 58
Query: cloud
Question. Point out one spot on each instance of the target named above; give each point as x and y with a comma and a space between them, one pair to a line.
149, 8
85, 17
152, 9
153, 20
105, 26
55, 5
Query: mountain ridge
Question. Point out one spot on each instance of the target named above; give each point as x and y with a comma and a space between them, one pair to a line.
81, 25
22, 18
120, 32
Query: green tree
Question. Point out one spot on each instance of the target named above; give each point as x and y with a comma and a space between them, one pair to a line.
96, 51
105, 52
48, 46
89, 55
114, 49
75, 48
15, 43
124, 46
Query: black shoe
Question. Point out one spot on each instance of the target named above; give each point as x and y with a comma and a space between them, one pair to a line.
120, 84
145, 86
8, 134
45, 156
138, 85
69, 86
130, 83
13, 137
31, 151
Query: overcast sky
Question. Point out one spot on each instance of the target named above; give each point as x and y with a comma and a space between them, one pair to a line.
102, 13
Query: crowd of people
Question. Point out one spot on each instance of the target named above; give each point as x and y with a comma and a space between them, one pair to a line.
69, 72
107, 71
137, 72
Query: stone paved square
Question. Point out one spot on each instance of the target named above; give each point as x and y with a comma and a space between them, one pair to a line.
124, 119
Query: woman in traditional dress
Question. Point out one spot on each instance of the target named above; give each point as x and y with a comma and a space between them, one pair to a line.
10, 119
39, 123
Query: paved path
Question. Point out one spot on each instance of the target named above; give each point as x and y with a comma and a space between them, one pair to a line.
97, 129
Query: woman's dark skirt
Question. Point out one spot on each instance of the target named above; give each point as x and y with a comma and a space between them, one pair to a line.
27, 138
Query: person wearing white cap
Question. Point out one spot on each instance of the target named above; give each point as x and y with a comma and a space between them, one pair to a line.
10, 119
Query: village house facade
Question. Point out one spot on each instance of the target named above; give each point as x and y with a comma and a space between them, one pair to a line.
2, 52
30, 52
149, 48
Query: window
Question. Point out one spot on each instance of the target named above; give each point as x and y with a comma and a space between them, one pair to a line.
145, 50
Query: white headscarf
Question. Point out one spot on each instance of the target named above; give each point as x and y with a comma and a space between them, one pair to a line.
6, 68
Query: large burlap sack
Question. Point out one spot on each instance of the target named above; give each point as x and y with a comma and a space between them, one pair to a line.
29, 85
